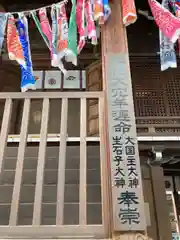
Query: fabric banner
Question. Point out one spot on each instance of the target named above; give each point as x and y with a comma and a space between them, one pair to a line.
53, 80
107, 9
3, 21
90, 25
38, 25
27, 78
75, 80
45, 25
57, 31
54, 35
167, 52
62, 42
72, 36
129, 12
80, 23
98, 11
166, 21
15, 51
176, 9
38, 75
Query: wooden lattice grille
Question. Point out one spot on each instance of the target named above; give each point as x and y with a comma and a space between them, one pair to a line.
42, 195
156, 97
173, 92
156, 93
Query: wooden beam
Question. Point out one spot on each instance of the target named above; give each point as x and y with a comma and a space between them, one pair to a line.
41, 61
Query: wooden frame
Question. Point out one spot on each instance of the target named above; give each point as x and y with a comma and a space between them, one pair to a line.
36, 229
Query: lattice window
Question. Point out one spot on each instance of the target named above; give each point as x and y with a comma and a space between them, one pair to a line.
49, 198
173, 92
148, 91
156, 93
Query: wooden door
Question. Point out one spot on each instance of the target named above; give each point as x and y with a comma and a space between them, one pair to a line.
93, 83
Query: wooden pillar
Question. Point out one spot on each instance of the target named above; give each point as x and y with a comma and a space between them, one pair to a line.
160, 203
113, 34
114, 42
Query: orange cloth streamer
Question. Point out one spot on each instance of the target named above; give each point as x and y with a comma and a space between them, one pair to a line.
14, 47
129, 12
98, 11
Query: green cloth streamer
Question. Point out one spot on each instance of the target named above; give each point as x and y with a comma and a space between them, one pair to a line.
38, 25
72, 36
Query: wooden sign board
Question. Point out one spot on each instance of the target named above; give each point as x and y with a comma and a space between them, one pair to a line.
127, 192
74, 80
